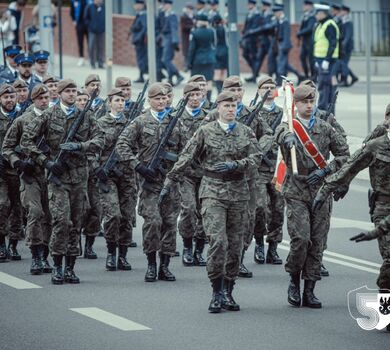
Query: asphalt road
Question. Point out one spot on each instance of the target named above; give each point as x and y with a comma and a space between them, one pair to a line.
166, 315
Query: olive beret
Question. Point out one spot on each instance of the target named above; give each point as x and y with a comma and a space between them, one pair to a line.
303, 92
232, 81
115, 92
197, 78
91, 78
309, 82
189, 87
6, 89
122, 82
157, 89
82, 92
265, 80
19, 83
50, 79
168, 87
226, 96
38, 90
64, 84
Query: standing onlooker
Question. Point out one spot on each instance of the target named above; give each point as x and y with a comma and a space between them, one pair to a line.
16, 8
139, 39
186, 24
77, 8
94, 17
221, 52
8, 26
170, 42
201, 53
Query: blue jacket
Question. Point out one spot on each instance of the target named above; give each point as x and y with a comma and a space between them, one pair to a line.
347, 35
202, 47
283, 35
139, 29
170, 29
307, 25
77, 8
6, 76
94, 18
252, 21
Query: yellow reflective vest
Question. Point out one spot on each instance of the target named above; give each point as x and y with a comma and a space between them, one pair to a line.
321, 43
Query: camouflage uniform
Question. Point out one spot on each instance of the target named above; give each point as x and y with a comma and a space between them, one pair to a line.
68, 202
375, 155
331, 119
307, 229
10, 206
224, 197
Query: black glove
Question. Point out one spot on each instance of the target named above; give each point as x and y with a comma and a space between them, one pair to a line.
24, 167
364, 236
56, 168
70, 146
340, 192
317, 175
101, 174
148, 174
225, 167
318, 202
290, 140
163, 194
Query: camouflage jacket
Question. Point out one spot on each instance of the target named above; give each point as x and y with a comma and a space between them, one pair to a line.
383, 227
379, 130
375, 155
53, 124
327, 141
138, 142
211, 145
11, 144
5, 124
100, 109
331, 119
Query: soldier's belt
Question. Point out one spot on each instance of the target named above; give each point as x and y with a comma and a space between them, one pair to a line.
225, 177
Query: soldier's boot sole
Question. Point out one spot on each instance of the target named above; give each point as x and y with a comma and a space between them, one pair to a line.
150, 279
273, 261
311, 305
35, 272
57, 281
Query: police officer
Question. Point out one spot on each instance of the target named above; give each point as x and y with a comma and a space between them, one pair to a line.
201, 7
25, 64
250, 43
33, 189
10, 71
213, 10
325, 52
41, 65
10, 206
170, 42
67, 198
226, 150
139, 39
305, 35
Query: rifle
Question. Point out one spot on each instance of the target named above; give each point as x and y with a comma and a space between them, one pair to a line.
112, 159
331, 106
160, 154
71, 135
249, 119
254, 101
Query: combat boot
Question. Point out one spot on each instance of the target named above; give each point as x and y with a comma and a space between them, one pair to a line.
163, 272
324, 272
272, 254
3, 251
308, 297
294, 292
111, 257
228, 303
151, 272
259, 252
12, 251
244, 272
198, 257
123, 264
88, 249
36, 267
187, 257
69, 275
57, 276
216, 299
44, 251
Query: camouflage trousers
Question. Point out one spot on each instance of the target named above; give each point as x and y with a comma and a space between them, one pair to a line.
118, 209
92, 219
382, 209
307, 231
68, 204
10, 207
269, 210
250, 223
224, 223
159, 228
190, 222
34, 198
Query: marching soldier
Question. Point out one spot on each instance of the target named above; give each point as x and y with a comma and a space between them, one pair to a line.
306, 227
226, 151
98, 106
381, 128
81, 99
190, 222
269, 201
22, 93
10, 72
33, 189
200, 79
51, 82
119, 193
144, 135
41, 64
139, 39
10, 206
124, 84
305, 35
68, 195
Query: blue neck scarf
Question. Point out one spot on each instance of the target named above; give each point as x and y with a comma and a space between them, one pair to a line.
312, 120
12, 115
270, 108
168, 109
70, 110
127, 104
161, 115
239, 109
96, 102
231, 127
195, 112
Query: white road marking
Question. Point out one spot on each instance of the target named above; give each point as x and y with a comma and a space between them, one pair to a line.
15, 282
348, 223
110, 319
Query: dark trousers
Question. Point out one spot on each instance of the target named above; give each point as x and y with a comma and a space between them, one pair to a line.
96, 48
307, 60
282, 65
81, 31
167, 57
142, 58
324, 82
261, 54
